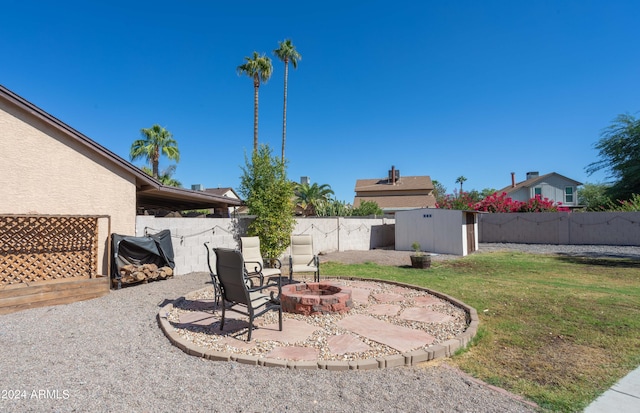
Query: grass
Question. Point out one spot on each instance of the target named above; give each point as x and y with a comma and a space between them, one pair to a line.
557, 330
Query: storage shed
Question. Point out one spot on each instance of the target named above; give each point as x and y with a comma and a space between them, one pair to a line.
442, 231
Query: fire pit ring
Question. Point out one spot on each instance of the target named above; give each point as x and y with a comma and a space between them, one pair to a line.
315, 298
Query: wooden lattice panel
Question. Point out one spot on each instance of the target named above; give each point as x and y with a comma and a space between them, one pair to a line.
42, 248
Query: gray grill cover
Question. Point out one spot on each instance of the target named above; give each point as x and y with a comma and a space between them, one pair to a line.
152, 249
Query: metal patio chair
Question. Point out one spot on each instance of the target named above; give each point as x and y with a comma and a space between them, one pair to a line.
242, 299
253, 261
302, 258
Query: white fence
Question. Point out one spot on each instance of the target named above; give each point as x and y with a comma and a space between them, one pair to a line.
564, 228
329, 235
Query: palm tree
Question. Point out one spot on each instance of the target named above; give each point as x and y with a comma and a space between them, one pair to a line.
166, 176
460, 180
258, 68
311, 195
287, 53
157, 141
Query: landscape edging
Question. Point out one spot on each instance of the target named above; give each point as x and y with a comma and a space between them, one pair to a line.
411, 358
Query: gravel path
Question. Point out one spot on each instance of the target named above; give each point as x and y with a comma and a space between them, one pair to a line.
109, 354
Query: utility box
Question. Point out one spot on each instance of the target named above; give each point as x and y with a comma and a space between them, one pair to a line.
441, 231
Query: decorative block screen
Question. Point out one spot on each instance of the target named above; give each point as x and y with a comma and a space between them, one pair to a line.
44, 247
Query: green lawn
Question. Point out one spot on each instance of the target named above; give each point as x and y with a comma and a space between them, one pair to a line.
557, 330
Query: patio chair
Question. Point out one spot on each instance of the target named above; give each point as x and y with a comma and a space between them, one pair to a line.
253, 261
251, 302
214, 278
302, 258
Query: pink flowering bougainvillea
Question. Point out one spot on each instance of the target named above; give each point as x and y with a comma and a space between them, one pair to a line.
501, 203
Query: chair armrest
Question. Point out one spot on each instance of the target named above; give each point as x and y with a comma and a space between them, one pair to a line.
314, 261
257, 268
276, 262
264, 287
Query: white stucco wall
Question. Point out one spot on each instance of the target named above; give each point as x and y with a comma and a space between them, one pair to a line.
45, 172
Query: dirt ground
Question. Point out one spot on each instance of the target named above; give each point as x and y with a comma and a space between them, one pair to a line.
378, 256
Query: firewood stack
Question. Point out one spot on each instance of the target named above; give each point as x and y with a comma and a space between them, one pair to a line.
143, 273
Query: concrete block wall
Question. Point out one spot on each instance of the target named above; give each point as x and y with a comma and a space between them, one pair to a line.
188, 236
347, 233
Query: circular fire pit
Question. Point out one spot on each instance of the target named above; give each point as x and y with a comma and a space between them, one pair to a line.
315, 298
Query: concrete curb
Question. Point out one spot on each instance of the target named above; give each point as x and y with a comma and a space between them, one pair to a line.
411, 358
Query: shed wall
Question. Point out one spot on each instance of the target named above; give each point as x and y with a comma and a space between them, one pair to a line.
439, 231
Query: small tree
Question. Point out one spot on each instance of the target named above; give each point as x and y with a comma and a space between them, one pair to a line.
367, 208
593, 197
269, 195
439, 191
619, 152
333, 208
631, 205
166, 176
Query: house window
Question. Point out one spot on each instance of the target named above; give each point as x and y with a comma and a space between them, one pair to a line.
568, 195
537, 192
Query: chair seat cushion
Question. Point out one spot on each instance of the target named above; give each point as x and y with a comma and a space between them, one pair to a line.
304, 268
258, 299
271, 272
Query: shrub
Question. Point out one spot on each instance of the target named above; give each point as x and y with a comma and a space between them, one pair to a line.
501, 203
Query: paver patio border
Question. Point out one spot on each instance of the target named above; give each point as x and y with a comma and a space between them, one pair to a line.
410, 358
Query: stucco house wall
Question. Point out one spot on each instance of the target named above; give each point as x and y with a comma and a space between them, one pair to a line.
552, 186
46, 172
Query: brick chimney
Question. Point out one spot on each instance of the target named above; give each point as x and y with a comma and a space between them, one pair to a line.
513, 179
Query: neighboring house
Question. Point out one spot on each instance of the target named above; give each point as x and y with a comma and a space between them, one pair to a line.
555, 187
49, 170
226, 193
396, 193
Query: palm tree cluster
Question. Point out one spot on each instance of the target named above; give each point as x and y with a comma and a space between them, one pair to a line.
259, 68
310, 196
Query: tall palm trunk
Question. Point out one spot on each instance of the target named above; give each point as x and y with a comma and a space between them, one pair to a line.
155, 161
256, 86
284, 110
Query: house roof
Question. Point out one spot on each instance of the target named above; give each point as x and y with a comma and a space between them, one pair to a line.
150, 193
405, 183
222, 192
408, 192
528, 183
180, 199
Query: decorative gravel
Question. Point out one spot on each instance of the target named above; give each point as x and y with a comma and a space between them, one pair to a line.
208, 337
108, 355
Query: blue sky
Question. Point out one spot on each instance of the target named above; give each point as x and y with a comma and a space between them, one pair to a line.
439, 88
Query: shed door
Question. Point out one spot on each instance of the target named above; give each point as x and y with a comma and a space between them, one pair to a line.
471, 235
